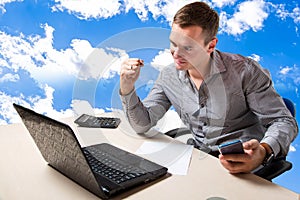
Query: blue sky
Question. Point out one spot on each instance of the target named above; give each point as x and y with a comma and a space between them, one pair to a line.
54, 53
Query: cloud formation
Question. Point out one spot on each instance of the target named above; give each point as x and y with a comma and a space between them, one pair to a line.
9, 78
39, 104
222, 3
249, 15
36, 55
292, 73
44, 63
164, 58
236, 17
283, 12
4, 2
87, 9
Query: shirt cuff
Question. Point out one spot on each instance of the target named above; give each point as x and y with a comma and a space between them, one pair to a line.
129, 100
273, 144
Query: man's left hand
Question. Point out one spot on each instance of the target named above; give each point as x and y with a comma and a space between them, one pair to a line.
244, 163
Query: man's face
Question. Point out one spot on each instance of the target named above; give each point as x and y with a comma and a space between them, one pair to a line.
188, 48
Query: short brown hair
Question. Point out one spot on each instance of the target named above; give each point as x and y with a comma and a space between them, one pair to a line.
199, 14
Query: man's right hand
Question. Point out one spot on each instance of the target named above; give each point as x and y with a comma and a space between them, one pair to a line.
130, 71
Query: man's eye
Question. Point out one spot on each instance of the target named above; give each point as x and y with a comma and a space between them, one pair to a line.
172, 44
188, 48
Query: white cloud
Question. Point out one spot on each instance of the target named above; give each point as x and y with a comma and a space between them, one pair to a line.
282, 12
221, 3
292, 73
9, 78
156, 8
250, 15
292, 148
36, 56
255, 57
86, 9
163, 59
4, 2
45, 105
296, 15
140, 8
46, 64
80, 107
102, 63
7, 110
285, 70
41, 105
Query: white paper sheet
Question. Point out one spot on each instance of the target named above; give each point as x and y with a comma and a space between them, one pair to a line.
174, 155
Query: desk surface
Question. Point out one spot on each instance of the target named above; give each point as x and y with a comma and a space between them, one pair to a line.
25, 175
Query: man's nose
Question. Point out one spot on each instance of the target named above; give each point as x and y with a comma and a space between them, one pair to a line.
176, 52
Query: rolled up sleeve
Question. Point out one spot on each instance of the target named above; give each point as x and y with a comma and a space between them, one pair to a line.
265, 102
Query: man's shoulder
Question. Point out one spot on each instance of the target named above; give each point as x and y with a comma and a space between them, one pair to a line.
237, 61
227, 56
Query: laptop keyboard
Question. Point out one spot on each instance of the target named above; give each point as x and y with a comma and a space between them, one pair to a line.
106, 165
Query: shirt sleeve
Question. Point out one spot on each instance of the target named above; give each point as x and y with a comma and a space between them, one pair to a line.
142, 115
268, 105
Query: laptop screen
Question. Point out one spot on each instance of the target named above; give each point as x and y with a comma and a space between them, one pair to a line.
59, 147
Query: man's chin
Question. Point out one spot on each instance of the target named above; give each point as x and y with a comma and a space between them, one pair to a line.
179, 67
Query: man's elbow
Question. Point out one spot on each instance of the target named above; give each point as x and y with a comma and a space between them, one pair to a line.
140, 129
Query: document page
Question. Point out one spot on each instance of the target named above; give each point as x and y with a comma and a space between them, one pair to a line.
174, 155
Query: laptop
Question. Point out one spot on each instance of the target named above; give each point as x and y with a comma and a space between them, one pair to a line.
103, 169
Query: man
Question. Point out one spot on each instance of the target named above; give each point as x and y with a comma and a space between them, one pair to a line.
219, 96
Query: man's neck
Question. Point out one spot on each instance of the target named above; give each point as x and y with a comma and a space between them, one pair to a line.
196, 77
198, 74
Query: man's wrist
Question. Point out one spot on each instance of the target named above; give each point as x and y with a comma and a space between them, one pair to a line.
267, 148
269, 156
125, 93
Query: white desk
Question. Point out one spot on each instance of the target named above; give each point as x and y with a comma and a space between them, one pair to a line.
25, 175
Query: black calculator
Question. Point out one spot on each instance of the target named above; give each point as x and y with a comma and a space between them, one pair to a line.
97, 122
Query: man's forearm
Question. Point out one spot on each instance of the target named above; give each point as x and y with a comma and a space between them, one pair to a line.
280, 135
136, 113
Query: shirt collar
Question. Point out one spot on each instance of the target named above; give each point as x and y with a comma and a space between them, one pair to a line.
183, 76
217, 65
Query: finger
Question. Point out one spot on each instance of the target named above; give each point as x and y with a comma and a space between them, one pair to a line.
141, 62
251, 144
134, 67
233, 167
130, 69
136, 62
126, 68
129, 74
236, 157
130, 61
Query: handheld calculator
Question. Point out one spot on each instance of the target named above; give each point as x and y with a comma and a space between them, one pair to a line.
97, 122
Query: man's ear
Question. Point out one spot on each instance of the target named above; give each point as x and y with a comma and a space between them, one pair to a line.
212, 45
